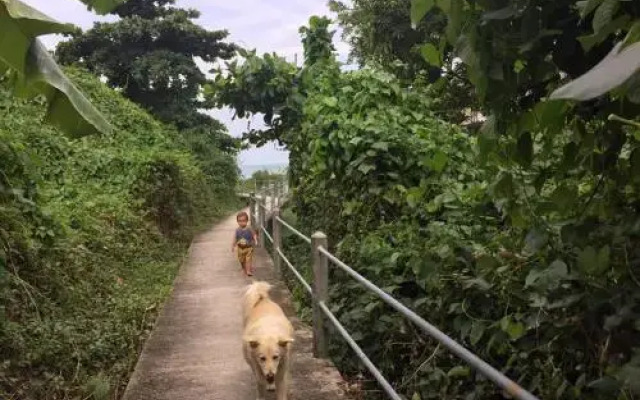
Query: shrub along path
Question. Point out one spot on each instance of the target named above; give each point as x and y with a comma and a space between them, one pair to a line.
195, 349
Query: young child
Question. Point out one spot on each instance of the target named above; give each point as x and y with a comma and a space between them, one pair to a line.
244, 239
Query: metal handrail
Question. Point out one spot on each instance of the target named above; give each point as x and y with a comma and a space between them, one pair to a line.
484, 368
363, 357
474, 361
295, 272
294, 230
266, 233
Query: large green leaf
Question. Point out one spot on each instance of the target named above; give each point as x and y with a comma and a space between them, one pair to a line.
564, 197
586, 7
437, 161
608, 74
604, 14
31, 21
36, 72
633, 35
588, 42
69, 109
549, 278
514, 329
419, 8
19, 24
592, 262
431, 54
455, 15
102, 6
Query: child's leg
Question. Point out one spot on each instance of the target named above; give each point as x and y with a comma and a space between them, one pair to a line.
248, 263
242, 258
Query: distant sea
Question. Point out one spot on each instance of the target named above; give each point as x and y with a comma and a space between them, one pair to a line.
248, 170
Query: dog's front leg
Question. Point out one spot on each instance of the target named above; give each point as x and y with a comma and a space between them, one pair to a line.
282, 388
282, 382
261, 385
262, 390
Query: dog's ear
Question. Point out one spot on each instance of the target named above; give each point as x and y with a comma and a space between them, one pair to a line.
283, 342
253, 342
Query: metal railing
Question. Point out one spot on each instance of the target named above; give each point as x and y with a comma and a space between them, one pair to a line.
318, 290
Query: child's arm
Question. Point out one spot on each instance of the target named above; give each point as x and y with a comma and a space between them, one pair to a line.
233, 243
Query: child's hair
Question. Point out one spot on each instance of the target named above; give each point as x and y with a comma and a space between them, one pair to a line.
242, 214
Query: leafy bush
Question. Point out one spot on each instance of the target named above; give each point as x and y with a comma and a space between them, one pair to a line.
91, 235
530, 274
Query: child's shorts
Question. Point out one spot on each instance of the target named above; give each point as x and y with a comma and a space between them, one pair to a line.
245, 255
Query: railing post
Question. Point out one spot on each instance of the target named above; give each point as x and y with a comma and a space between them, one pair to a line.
277, 241
272, 195
320, 293
262, 220
252, 208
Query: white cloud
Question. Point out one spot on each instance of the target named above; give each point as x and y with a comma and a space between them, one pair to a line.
266, 25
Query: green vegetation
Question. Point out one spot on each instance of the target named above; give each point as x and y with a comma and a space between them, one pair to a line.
91, 236
380, 35
520, 240
93, 224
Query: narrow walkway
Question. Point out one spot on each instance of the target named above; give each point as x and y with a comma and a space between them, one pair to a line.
195, 351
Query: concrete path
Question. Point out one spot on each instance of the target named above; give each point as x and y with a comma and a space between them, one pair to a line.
195, 353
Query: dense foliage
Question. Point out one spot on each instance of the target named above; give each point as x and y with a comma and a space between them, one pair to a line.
381, 33
521, 242
92, 232
149, 53
271, 90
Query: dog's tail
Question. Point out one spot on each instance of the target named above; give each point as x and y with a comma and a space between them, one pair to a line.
255, 292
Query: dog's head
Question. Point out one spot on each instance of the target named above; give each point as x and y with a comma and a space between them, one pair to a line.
268, 353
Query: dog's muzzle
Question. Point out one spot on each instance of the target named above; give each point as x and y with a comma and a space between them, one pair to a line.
270, 377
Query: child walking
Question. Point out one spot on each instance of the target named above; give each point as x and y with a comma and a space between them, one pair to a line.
244, 239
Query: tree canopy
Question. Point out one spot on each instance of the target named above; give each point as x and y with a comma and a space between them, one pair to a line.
381, 31
150, 55
381, 34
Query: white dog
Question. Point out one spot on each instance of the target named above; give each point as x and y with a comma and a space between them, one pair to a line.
267, 340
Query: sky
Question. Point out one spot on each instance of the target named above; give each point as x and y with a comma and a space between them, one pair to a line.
264, 25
